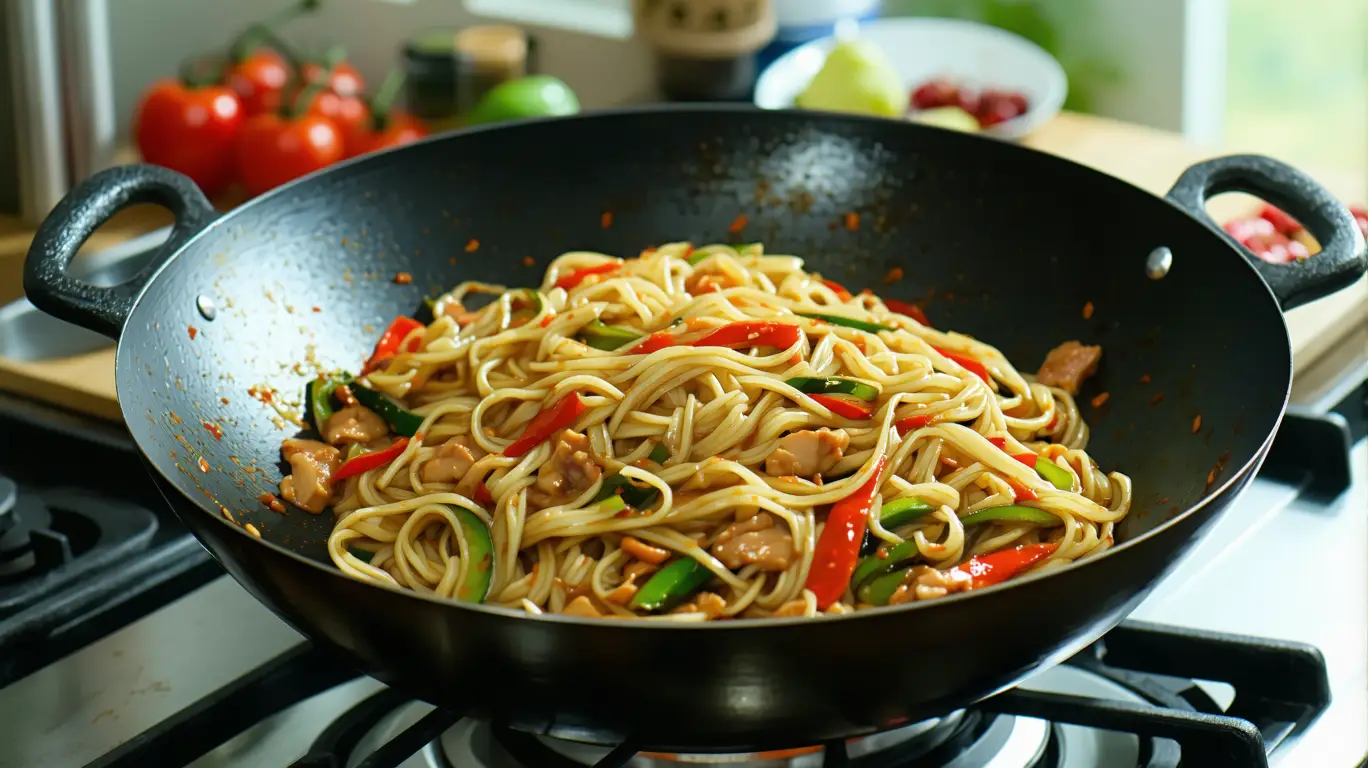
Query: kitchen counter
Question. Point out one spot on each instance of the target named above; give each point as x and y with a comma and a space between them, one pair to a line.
1146, 157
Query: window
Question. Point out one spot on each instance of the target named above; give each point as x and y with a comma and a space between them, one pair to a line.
1297, 81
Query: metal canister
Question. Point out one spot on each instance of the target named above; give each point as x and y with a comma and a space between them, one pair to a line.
450, 70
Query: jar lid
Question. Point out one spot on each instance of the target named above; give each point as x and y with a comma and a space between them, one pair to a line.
492, 46
716, 29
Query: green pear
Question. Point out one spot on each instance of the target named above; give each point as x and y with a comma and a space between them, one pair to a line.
856, 77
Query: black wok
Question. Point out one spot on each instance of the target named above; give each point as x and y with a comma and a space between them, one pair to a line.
1012, 242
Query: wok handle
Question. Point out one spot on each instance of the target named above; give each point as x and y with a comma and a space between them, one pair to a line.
84, 209
1342, 259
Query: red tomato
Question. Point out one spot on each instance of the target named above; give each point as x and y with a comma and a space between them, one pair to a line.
401, 129
273, 149
190, 130
350, 114
259, 80
344, 80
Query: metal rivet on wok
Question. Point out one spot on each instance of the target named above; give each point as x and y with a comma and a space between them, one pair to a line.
206, 307
1158, 263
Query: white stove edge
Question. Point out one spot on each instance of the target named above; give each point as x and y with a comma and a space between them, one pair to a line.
76, 710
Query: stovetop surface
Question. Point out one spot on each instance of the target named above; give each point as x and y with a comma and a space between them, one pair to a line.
1248, 576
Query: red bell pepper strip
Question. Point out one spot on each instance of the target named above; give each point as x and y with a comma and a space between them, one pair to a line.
839, 289
656, 341
968, 363
838, 549
1028, 458
578, 276
998, 567
909, 423
369, 461
910, 310
482, 495
547, 423
755, 333
842, 407
1021, 492
388, 345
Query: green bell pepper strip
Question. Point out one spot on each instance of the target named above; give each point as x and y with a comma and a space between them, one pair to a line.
607, 337
823, 385
873, 566
1058, 476
479, 562
534, 303
402, 421
318, 394
670, 585
611, 503
878, 590
632, 495
848, 322
1013, 513
900, 511
660, 454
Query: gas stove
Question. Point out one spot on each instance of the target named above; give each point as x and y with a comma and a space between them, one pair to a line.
149, 657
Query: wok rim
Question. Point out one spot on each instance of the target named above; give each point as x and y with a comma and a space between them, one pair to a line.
352, 165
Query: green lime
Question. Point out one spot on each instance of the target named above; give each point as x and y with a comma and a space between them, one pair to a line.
535, 96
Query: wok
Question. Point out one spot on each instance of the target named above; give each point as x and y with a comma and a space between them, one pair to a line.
1009, 244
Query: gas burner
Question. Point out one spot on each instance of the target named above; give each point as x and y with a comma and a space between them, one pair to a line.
1129, 700
82, 550
57, 537
960, 740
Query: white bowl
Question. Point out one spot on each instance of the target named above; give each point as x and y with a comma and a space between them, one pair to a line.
970, 54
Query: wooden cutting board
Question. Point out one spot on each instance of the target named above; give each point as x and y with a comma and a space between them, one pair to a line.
1148, 158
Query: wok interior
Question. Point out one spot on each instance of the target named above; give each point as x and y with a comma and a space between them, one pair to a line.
1002, 244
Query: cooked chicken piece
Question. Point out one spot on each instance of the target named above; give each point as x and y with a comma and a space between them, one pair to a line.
807, 452
755, 541
790, 609
926, 583
707, 603
1068, 365
453, 460
581, 606
309, 484
356, 424
570, 470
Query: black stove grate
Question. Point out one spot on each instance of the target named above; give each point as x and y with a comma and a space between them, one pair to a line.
86, 543
1281, 687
